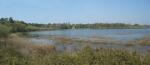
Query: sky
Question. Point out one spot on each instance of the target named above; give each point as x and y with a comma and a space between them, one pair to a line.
77, 11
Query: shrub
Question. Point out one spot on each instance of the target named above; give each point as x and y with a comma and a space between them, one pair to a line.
4, 31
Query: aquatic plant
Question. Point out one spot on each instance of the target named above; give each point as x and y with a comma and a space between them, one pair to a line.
18, 51
84, 57
145, 41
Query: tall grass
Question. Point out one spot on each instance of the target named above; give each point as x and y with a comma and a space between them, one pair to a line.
17, 51
145, 41
4, 31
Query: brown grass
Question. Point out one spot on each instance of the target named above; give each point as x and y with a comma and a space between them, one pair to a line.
26, 47
32, 54
65, 40
145, 41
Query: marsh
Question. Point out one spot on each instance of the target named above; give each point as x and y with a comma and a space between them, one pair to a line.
72, 39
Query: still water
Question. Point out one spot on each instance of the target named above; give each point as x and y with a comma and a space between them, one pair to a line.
124, 35
118, 34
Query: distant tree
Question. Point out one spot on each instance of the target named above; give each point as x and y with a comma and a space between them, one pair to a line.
4, 20
11, 20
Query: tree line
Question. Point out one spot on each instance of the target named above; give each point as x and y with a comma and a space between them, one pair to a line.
97, 26
9, 25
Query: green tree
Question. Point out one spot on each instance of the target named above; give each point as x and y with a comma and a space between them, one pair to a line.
11, 20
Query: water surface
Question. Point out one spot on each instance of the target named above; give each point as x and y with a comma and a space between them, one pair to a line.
118, 34
123, 35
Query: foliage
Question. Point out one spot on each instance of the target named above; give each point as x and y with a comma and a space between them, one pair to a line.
17, 26
96, 26
21, 26
31, 28
11, 54
4, 31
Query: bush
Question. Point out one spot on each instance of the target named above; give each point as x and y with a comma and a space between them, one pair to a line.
31, 28
4, 31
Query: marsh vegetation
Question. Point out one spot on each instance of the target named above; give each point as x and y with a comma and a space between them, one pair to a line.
17, 51
72, 46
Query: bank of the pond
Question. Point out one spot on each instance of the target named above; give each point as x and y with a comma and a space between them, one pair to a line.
17, 51
72, 44
73, 39
117, 34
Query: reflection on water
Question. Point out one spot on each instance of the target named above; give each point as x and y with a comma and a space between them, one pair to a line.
119, 34
82, 37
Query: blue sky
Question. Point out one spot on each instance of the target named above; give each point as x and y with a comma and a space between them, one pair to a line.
77, 11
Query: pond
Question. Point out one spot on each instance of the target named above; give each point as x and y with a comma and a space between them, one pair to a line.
121, 35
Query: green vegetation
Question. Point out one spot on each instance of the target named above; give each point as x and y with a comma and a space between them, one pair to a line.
4, 31
145, 41
98, 26
17, 51
15, 25
109, 26
21, 26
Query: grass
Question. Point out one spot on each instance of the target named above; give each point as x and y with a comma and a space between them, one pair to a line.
63, 40
67, 40
17, 51
145, 41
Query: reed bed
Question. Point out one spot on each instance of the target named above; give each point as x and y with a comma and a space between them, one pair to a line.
144, 41
18, 51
